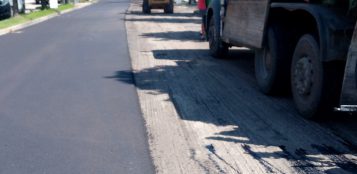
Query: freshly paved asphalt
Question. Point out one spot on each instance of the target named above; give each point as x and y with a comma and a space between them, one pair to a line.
62, 109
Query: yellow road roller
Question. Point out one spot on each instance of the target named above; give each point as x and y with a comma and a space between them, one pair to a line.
167, 5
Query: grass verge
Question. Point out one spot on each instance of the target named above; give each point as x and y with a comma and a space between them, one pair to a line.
22, 18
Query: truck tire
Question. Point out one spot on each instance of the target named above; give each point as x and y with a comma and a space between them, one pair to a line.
169, 8
310, 79
217, 47
146, 7
272, 62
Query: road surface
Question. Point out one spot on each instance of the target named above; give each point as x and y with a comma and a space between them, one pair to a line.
61, 109
206, 115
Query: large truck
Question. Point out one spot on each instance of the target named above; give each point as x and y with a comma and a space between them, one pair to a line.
306, 46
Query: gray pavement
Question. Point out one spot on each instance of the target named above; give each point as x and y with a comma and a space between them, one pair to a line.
61, 108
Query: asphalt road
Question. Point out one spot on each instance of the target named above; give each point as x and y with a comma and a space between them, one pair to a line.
61, 109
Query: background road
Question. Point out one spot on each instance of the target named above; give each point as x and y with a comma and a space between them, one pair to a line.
61, 110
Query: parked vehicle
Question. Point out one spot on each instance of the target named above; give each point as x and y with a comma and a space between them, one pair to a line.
299, 44
167, 5
39, 1
5, 9
21, 5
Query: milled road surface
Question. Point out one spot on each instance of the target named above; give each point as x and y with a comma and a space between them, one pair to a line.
61, 108
205, 115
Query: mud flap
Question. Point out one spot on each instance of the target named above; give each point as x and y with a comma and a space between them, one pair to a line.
348, 100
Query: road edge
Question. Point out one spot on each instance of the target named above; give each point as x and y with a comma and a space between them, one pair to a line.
133, 52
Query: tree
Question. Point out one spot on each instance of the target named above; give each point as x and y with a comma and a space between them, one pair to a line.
15, 8
44, 4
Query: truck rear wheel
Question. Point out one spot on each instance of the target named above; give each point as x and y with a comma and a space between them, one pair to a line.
169, 8
309, 79
217, 47
146, 7
272, 62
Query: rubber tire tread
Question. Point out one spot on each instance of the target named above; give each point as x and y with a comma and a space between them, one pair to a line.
319, 104
219, 49
146, 7
169, 8
277, 81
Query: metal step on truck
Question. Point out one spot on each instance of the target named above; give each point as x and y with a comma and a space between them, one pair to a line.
307, 46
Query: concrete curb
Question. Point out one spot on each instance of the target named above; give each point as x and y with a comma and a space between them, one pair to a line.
42, 19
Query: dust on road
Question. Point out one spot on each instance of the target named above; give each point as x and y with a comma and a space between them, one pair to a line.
205, 115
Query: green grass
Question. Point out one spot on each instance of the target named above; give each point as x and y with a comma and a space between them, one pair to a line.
65, 7
22, 18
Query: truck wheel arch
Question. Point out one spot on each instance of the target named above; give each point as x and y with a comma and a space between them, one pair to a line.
325, 24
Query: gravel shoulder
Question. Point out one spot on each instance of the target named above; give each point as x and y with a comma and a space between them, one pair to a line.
205, 115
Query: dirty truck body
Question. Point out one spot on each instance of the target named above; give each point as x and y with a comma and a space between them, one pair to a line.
309, 48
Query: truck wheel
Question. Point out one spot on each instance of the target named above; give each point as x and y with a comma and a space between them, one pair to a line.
169, 8
272, 62
309, 79
217, 47
146, 7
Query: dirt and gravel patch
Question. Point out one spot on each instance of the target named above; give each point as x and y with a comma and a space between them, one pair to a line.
205, 115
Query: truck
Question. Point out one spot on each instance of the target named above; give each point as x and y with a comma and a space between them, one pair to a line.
308, 47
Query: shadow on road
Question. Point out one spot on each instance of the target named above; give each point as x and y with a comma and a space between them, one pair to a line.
175, 35
224, 93
161, 14
165, 20
189, 54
